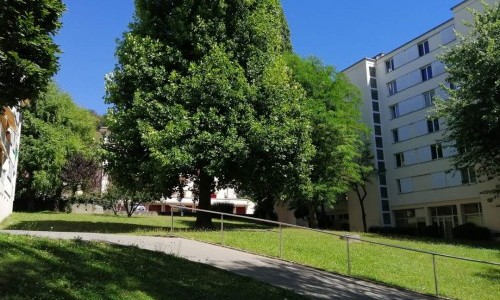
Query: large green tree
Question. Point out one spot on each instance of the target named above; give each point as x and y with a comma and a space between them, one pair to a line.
472, 111
27, 52
332, 105
54, 129
201, 90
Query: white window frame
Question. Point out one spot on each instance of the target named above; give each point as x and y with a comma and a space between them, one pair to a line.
392, 87
394, 111
432, 125
389, 65
426, 73
423, 48
436, 151
429, 98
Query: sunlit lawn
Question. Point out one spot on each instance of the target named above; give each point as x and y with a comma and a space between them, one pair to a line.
456, 279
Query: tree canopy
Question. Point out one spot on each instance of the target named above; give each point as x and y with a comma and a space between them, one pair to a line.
27, 52
472, 111
332, 105
201, 90
54, 129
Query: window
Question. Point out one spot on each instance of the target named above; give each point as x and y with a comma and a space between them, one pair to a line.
432, 125
374, 94
380, 154
385, 204
376, 118
381, 166
395, 135
389, 65
428, 98
387, 218
426, 73
473, 213
383, 194
392, 87
468, 175
378, 130
400, 159
382, 179
378, 142
394, 111
372, 71
373, 83
436, 151
405, 185
375, 106
423, 48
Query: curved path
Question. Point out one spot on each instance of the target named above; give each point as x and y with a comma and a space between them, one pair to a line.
303, 280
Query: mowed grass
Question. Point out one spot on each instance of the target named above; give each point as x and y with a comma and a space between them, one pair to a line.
37, 268
412, 270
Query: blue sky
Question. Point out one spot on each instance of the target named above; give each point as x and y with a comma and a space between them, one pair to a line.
339, 32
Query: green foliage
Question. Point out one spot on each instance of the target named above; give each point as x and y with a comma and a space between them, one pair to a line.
473, 109
54, 129
332, 104
27, 52
201, 90
224, 207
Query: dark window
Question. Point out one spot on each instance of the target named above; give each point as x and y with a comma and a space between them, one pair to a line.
394, 111
378, 142
376, 118
375, 106
382, 179
432, 125
387, 218
378, 130
385, 205
380, 154
392, 87
426, 73
468, 175
395, 135
400, 159
436, 151
389, 65
428, 98
374, 94
381, 166
373, 72
423, 48
383, 193
373, 83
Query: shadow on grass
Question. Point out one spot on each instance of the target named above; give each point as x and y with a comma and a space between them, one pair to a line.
34, 268
492, 274
81, 226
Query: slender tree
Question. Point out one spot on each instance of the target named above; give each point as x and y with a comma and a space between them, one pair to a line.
201, 89
332, 104
28, 55
472, 111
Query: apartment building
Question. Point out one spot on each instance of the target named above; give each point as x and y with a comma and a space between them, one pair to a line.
419, 185
10, 130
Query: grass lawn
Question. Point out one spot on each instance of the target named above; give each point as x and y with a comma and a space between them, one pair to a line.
36, 268
457, 279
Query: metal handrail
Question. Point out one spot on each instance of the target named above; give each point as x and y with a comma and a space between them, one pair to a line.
347, 237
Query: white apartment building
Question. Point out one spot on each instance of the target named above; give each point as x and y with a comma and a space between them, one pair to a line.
10, 136
420, 186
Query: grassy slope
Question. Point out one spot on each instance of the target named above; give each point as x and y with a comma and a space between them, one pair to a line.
34, 268
463, 280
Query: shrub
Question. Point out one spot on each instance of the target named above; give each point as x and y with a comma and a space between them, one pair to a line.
223, 207
470, 231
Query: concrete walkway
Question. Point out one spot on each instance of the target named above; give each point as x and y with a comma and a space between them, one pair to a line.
303, 280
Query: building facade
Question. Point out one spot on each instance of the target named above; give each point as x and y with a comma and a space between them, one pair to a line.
10, 136
417, 185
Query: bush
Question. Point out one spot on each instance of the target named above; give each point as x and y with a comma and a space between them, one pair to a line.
427, 231
223, 207
470, 231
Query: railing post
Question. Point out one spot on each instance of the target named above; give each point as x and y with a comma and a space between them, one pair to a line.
435, 274
172, 220
222, 229
281, 241
348, 256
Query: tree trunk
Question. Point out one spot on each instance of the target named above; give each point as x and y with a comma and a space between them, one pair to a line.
313, 221
203, 219
362, 204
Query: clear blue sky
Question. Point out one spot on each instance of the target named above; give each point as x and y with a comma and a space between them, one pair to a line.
339, 32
